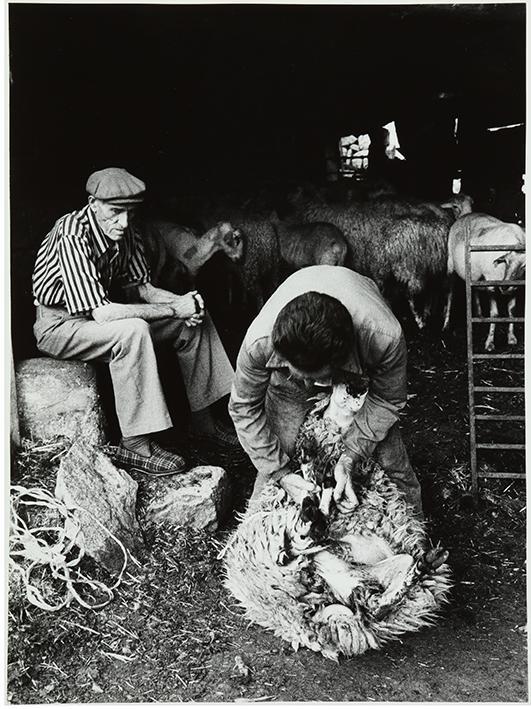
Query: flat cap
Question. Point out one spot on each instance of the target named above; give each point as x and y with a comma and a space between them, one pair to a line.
116, 185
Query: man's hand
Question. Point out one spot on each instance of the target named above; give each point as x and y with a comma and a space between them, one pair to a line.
189, 307
344, 495
296, 486
198, 318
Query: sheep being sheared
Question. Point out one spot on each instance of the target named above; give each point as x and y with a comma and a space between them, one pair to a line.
392, 241
337, 583
483, 230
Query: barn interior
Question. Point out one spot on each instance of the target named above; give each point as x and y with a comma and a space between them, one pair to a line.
204, 99
233, 102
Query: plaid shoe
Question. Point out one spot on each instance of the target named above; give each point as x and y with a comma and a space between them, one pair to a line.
159, 463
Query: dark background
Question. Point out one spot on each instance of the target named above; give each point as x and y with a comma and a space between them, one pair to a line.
197, 99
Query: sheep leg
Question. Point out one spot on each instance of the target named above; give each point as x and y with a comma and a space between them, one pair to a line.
396, 575
511, 337
418, 317
342, 577
489, 342
395, 572
477, 304
448, 306
310, 526
427, 309
326, 500
367, 549
339, 575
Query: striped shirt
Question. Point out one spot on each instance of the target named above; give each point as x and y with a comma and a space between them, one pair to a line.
77, 263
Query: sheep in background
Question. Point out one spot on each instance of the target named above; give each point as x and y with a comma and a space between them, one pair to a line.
311, 244
483, 229
272, 248
176, 253
260, 265
257, 273
392, 241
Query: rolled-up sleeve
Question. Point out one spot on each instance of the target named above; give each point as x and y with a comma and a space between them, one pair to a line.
387, 397
247, 409
80, 276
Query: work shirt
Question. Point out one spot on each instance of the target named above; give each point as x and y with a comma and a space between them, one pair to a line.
379, 351
76, 264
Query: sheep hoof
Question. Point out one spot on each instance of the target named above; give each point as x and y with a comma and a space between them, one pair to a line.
489, 346
433, 559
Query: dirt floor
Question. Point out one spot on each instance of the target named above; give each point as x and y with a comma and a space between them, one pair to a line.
174, 634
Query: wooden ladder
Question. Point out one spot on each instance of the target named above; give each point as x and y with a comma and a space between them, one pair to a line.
473, 357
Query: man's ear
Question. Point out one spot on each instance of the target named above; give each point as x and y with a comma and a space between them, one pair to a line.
92, 202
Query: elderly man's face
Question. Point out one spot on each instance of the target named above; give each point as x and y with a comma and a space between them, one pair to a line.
113, 219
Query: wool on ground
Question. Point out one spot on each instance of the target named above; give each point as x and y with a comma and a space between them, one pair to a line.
284, 597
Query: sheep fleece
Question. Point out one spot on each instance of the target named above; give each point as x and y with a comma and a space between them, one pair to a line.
390, 240
276, 597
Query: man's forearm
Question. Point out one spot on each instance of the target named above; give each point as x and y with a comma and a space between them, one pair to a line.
149, 293
258, 441
122, 311
188, 307
387, 397
369, 427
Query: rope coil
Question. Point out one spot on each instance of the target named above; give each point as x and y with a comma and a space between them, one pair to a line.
26, 545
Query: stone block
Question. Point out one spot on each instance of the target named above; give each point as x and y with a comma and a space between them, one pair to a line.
107, 495
197, 499
58, 398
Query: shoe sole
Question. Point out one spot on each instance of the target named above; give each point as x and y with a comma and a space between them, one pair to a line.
130, 466
158, 475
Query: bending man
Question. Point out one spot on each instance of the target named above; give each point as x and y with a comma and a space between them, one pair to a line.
321, 319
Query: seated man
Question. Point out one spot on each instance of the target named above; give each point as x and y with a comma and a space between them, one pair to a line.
320, 320
84, 254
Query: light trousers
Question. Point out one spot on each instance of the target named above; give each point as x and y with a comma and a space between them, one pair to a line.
128, 346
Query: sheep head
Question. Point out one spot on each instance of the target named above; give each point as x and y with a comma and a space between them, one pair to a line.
513, 263
229, 239
460, 204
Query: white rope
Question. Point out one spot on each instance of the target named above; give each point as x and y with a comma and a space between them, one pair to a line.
27, 546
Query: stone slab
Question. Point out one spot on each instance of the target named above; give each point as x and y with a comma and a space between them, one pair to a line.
58, 398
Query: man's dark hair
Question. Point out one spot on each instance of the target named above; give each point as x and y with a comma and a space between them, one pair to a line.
314, 330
